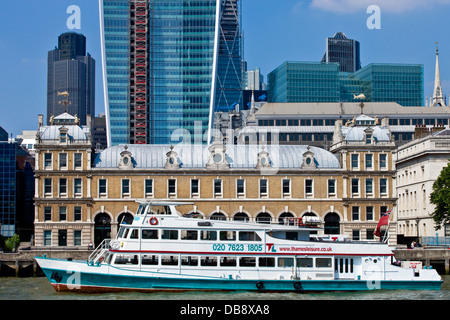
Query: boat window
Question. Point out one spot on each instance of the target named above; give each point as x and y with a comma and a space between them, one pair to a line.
134, 234
323, 262
189, 261
248, 236
305, 262
150, 234
189, 235
141, 209
228, 235
285, 262
169, 234
208, 261
266, 262
125, 235
247, 261
121, 231
126, 259
208, 235
159, 210
150, 260
228, 262
169, 260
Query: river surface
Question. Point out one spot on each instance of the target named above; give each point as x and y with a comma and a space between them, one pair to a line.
39, 288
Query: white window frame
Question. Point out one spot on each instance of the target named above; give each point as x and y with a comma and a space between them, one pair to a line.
286, 194
74, 161
386, 161
149, 194
47, 194
49, 167
357, 162
122, 193
102, 195
195, 194
172, 194
241, 194
332, 194
217, 194
310, 194
77, 194
60, 166
366, 167
266, 194
63, 194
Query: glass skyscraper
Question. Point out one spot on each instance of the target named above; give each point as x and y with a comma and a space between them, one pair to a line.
7, 185
304, 82
70, 78
323, 82
344, 51
167, 64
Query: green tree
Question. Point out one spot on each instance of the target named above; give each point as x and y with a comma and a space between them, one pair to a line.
12, 243
440, 197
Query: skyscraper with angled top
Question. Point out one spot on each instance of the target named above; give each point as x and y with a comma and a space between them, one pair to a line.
70, 78
343, 50
167, 66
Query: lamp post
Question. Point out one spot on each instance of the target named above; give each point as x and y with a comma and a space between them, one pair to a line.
417, 225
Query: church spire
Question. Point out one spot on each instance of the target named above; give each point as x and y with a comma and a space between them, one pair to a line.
438, 97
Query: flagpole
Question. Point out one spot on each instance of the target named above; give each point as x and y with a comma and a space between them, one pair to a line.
386, 238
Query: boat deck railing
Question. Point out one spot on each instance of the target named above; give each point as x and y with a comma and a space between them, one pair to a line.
98, 252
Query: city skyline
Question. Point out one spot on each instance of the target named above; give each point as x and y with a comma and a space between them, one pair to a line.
274, 32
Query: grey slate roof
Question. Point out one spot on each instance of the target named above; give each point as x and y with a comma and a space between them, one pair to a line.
196, 156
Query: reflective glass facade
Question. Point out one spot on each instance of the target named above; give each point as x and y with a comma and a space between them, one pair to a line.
7, 188
116, 70
401, 83
344, 51
322, 82
177, 59
304, 82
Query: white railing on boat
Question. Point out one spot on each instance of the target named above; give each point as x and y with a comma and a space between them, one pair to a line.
99, 251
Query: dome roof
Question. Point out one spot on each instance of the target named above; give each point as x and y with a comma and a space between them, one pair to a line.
196, 156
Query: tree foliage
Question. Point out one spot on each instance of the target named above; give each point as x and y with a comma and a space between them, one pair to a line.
440, 197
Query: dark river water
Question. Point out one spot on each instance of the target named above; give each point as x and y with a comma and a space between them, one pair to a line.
32, 298
39, 288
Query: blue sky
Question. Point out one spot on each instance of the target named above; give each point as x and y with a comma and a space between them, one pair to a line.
275, 31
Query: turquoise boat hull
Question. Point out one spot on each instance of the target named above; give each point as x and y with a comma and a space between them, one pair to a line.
98, 282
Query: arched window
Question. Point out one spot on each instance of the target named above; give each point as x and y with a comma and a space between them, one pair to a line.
241, 216
102, 228
285, 215
263, 217
217, 216
332, 225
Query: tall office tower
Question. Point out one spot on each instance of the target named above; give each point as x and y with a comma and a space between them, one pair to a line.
167, 65
343, 50
70, 78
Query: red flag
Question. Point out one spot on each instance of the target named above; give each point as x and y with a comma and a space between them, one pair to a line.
383, 221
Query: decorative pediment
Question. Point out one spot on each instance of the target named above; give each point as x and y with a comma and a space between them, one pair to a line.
172, 160
309, 162
263, 159
217, 156
126, 159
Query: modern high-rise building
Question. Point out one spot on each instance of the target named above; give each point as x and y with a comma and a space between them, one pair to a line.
323, 82
70, 78
167, 65
344, 51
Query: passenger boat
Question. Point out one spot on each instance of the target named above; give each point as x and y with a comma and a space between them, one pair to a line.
164, 250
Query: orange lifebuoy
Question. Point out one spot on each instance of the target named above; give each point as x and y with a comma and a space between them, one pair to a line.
153, 221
